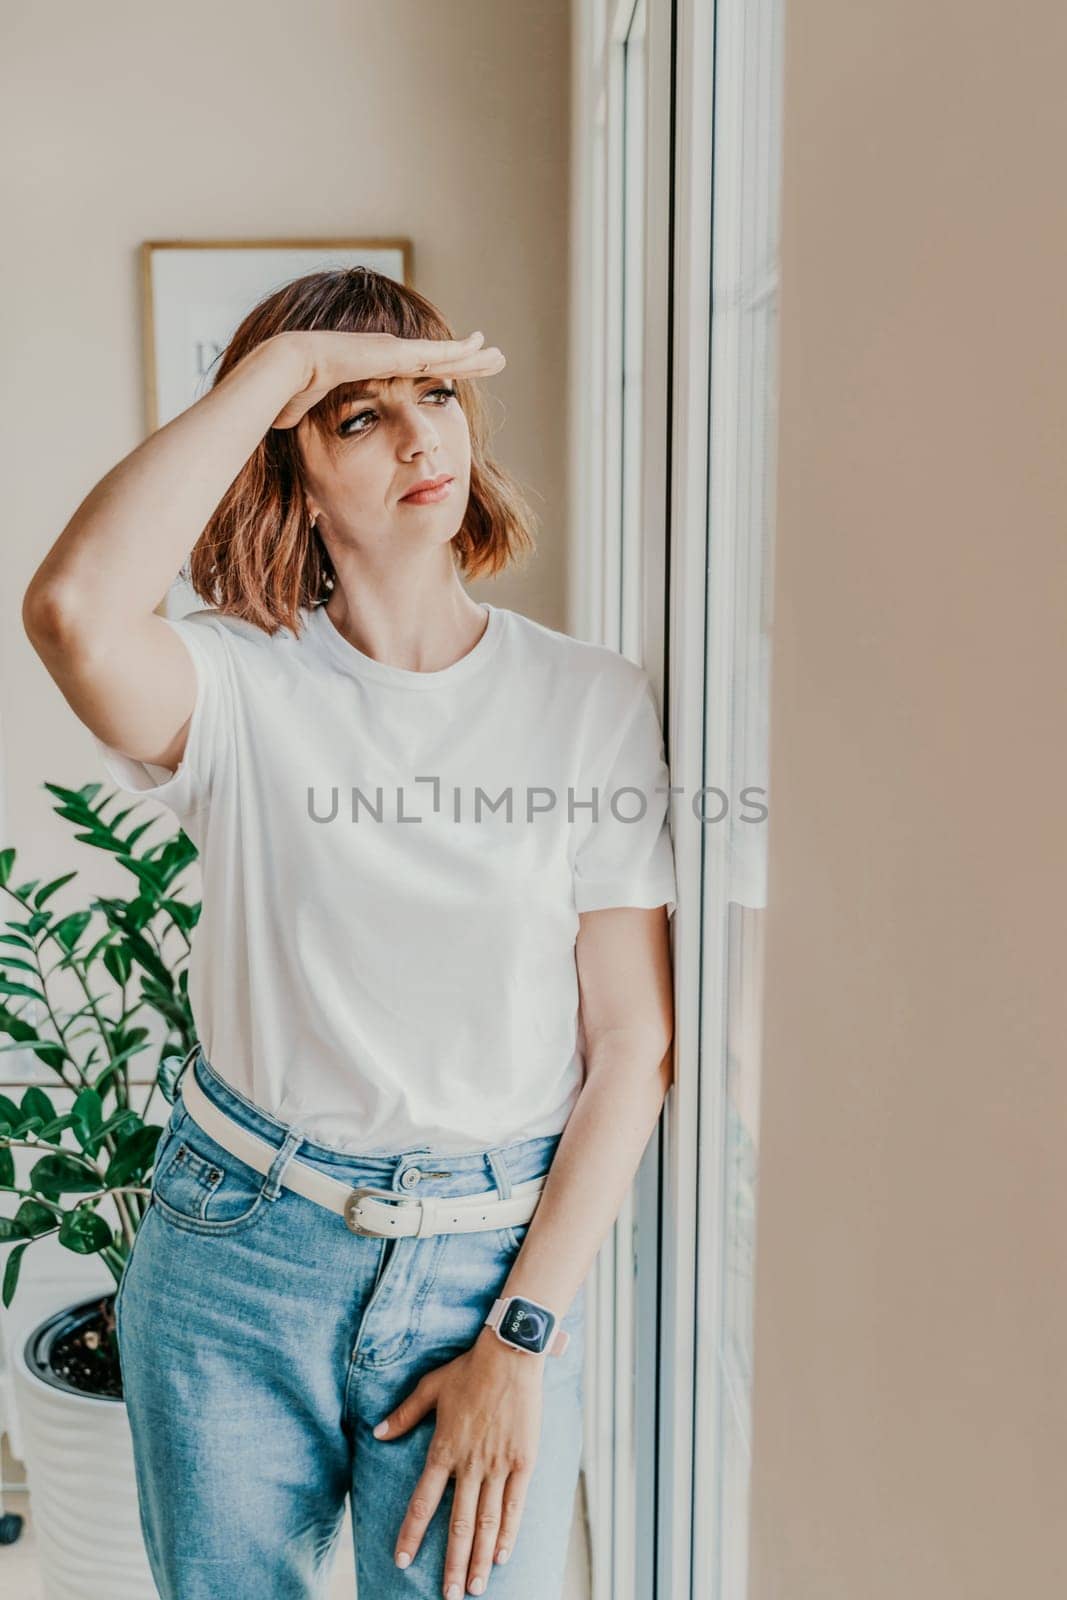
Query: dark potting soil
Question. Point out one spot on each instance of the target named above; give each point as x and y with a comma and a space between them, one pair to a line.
87, 1356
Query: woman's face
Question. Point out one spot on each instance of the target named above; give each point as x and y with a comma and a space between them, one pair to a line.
398, 433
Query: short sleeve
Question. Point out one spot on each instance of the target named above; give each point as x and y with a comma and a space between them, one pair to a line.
625, 857
186, 789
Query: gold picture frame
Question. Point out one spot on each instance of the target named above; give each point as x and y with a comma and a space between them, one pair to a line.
235, 291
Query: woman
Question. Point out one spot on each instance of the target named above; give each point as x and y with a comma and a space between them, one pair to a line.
432, 962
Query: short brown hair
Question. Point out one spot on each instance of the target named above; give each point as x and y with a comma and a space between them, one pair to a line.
259, 557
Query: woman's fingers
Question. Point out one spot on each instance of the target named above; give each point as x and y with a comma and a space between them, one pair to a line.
461, 1528
425, 1498
514, 1499
412, 355
485, 1533
372, 356
484, 1522
443, 357
483, 365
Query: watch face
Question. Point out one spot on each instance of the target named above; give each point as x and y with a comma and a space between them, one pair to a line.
527, 1325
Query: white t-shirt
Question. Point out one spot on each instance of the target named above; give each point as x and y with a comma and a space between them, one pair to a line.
384, 957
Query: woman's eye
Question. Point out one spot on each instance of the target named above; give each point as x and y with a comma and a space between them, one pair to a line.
349, 422
348, 427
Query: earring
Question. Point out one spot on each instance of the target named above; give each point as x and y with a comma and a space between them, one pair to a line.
328, 579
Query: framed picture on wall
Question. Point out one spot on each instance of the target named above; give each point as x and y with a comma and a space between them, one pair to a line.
197, 291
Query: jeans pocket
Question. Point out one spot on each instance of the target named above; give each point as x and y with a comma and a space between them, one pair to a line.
201, 1186
511, 1238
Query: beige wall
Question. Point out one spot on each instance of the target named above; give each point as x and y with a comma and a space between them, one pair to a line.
911, 1301
447, 124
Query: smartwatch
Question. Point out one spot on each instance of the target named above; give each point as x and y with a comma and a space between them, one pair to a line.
527, 1325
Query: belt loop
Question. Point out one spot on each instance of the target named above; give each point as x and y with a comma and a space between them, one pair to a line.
182, 1065
501, 1176
273, 1182
187, 1059
429, 1206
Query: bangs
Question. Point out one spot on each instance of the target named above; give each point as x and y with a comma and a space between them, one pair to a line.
359, 301
326, 416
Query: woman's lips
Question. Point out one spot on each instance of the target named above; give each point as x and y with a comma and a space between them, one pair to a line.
428, 497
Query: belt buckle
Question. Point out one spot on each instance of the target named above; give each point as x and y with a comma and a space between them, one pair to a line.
356, 1195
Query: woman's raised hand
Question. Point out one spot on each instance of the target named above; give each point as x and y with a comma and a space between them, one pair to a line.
331, 358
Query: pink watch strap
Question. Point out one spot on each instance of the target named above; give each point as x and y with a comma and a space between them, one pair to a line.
556, 1345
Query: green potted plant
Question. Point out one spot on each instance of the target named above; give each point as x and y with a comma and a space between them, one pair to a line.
76, 1162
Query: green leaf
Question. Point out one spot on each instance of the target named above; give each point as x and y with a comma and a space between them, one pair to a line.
53, 1055
35, 1103
7, 1166
120, 1121
61, 1174
11, 1272
101, 841
10, 1229
35, 1217
15, 1026
50, 888
94, 949
184, 915
84, 1231
51, 1132
133, 1156
71, 928
133, 1041
146, 872
87, 1114
118, 962
20, 988
76, 797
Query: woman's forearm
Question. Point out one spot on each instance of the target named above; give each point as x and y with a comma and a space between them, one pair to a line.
129, 537
595, 1161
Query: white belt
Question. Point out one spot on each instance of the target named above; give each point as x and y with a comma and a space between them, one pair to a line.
378, 1213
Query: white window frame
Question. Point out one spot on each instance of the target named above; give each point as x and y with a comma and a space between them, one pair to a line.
655, 1390
639, 1387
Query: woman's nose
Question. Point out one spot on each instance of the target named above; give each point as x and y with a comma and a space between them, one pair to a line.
418, 428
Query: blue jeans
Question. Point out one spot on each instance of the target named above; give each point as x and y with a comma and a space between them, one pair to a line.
261, 1340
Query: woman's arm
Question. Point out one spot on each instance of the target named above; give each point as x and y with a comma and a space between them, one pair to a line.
624, 974
90, 608
120, 551
89, 611
488, 1400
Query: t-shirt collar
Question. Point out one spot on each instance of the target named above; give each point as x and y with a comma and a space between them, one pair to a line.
352, 660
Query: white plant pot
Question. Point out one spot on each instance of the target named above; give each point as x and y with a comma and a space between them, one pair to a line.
78, 1455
